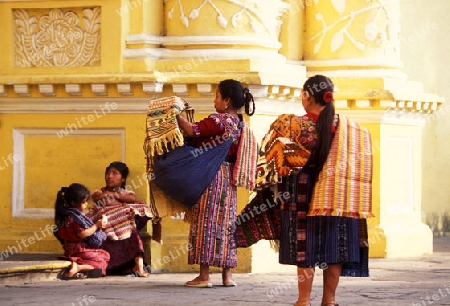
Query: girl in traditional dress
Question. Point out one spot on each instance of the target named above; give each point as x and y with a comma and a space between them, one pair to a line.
79, 235
211, 242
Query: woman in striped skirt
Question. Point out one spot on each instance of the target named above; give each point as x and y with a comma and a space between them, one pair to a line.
211, 241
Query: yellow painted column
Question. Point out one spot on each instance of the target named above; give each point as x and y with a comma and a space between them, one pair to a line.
352, 35
203, 37
292, 30
145, 23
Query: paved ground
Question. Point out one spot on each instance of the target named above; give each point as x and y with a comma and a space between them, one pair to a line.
419, 281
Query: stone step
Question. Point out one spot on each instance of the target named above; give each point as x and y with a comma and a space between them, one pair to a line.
29, 268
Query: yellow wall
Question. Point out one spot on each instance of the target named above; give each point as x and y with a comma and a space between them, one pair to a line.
429, 28
51, 162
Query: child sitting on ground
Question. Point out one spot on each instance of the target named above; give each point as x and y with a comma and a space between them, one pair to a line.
79, 235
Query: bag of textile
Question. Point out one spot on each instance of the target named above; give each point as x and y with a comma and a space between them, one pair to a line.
163, 133
185, 172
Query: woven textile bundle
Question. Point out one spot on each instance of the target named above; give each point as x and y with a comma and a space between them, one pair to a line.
344, 186
120, 220
163, 133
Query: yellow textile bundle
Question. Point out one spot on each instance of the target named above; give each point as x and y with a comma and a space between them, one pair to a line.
162, 128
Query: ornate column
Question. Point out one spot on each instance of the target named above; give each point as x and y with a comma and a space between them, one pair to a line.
357, 44
231, 29
201, 38
350, 38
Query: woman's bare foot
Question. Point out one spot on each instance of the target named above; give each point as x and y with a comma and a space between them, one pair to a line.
72, 271
139, 269
227, 279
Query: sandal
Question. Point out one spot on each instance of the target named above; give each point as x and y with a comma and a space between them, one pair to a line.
231, 283
141, 274
94, 273
307, 303
77, 275
196, 283
330, 303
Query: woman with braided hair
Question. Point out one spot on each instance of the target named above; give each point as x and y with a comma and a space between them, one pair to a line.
211, 242
321, 164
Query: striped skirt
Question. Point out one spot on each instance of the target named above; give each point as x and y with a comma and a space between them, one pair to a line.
320, 240
210, 238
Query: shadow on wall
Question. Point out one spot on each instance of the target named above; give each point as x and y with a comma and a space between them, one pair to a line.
439, 223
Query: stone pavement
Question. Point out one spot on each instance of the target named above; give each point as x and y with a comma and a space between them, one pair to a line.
420, 281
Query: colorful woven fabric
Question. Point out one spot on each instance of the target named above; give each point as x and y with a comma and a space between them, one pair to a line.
344, 186
121, 219
244, 171
162, 128
210, 241
260, 219
287, 145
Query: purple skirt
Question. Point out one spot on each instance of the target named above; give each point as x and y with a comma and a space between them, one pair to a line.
123, 253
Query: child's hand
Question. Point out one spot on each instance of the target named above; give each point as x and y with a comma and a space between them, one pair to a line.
104, 221
101, 223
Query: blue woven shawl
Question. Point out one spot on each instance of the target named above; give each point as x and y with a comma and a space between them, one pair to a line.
97, 238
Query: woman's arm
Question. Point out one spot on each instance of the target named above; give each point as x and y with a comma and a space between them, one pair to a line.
102, 199
109, 198
125, 196
185, 125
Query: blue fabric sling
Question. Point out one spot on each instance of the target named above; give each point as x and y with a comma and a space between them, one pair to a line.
185, 172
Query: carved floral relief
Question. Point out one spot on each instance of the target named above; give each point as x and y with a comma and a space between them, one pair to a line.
246, 12
57, 39
380, 26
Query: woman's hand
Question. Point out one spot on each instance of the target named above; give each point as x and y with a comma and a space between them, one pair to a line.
96, 195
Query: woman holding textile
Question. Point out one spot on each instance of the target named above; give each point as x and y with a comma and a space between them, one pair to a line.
127, 252
211, 242
79, 235
301, 157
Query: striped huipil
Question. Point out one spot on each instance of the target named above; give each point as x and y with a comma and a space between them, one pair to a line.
211, 242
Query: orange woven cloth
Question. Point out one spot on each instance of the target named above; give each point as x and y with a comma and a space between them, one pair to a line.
344, 186
283, 148
120, 219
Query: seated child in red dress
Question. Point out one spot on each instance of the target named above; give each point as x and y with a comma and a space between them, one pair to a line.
79, 235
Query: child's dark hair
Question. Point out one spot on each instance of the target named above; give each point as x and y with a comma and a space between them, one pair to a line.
67, 197
321, 88
239, 96
122, 168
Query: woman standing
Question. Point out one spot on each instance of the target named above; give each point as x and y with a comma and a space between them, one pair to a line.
211, 242
321, 165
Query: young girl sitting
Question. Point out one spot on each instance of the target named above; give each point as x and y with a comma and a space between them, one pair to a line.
79, 235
